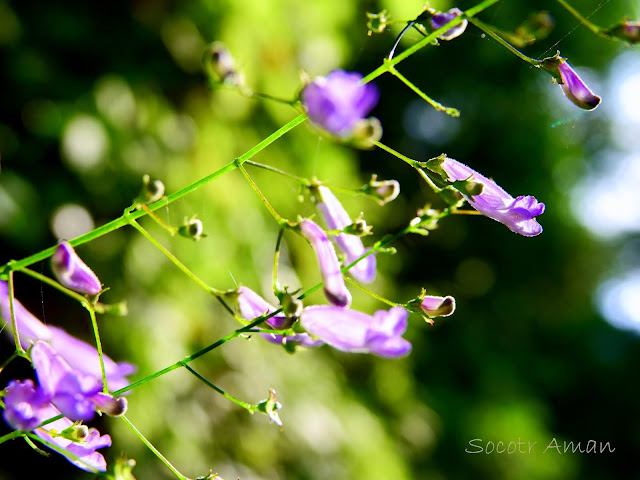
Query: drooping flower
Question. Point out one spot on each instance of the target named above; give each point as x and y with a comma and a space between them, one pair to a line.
336, 218
440, 19
253, 305
339, 101
334, 288
72, 272
25, 405
516, 213
356, 332
30, 328
83, 452
572, 85
75, 394
434, 306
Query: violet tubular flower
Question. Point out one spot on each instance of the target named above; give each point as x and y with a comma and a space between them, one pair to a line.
356, 332
253, 306
72, 272
334, 288
336, 218
572, 85
339, 101
434, 306
25, 405
76, 394
516, 213
440, 19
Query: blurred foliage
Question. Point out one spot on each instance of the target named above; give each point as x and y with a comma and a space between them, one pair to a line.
98, 94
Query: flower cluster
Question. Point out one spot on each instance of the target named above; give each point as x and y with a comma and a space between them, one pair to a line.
68, 371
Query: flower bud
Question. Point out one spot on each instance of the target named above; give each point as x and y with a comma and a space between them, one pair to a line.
291, 306
384, 190
627, 30
537, 27
377, 22
572, 85
220, 62
438, 306
270, 406
75, 432
72, 272
152, 190
192, 228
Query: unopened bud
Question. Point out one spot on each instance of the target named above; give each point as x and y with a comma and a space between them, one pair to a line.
537, 27
473, 188
572, 85
220, 62
365, 132
192, 228
270, 407
434, 306
384, 190
75, 433
112, 406
152, 190
452, 196
291, 306
359, 227
627, 30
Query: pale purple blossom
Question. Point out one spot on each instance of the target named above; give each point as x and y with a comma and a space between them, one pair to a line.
336, 217
253, 306
334, 288
82, 453
516, 213
434, 306
76, 394
339, 101
572, 85
440, 19
72, 272
356, 332
25, 405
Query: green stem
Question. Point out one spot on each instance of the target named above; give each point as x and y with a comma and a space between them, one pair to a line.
154, 449
276, 258
372, 294
247, 406
594, 28
52, 283
281, 221
486, 29
419, 166
159, 221
12, 313
63, 452
218, 294
8, 361
454, 112
129, 215
384, 68
96, 334
11, 436
302, 180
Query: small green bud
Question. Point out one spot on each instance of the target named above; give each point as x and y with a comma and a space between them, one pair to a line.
434, 164
270, 407
359, 227
192, 228
291, 306
152, 190
627, 30
452, 196
219, 61
75, 433
384, 190
377, 22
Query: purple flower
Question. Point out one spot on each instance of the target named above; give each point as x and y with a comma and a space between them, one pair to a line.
253, 305
572, 85
356, 332
72, 272
334, 287
30, 328
84, 451
518, 214
336, 218
84, 357
434, 306
25, 405
338, 101
440, 19
75, 394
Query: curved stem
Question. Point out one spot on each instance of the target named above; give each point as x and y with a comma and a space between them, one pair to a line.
454, 112
247, 406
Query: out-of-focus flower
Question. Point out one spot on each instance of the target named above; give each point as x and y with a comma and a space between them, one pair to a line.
29, 327
82, 453
219, 62
627, 30
334, 288
356, 332
72, 272
339, 101
25, 405
75, 394
336, 218
440, 19
253, 305
516, 213
434, 306
572, 85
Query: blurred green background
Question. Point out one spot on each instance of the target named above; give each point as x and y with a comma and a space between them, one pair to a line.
97, 94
